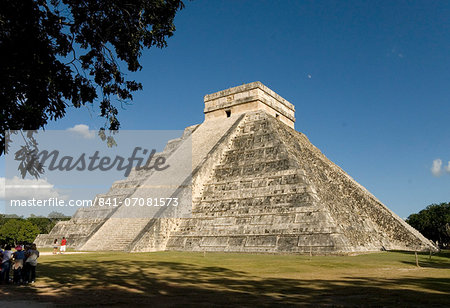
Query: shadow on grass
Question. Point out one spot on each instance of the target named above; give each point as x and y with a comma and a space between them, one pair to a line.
440, 260
429, 264
114, 283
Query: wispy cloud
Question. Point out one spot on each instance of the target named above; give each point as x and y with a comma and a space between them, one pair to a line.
83, 130
17, 188
436, 168
447, 168
395, 53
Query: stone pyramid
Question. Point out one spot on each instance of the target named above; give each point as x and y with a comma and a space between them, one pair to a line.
257, 186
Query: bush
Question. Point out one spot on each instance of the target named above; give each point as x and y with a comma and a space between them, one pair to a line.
16, 231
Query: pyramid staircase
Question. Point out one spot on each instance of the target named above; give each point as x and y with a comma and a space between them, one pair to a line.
87, 221
258, 200
125, 228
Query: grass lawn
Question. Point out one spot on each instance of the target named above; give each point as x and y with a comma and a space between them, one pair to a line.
219, 279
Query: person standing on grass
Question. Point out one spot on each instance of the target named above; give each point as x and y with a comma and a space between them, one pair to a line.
63, 245
18, 256
55, 246
6, 264
30, 264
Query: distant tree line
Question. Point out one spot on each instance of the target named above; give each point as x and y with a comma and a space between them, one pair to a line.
16, 229
434, 223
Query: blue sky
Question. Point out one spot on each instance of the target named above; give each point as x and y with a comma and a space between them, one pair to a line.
369, 80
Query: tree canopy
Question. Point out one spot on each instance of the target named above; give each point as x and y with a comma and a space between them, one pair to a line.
433, 222
16, 231
62, 53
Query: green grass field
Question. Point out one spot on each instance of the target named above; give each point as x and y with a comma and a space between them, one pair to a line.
219, 279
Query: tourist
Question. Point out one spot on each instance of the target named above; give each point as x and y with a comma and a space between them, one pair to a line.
55, 246
30, 264
62, 249
6, 264
26, 249
18, 257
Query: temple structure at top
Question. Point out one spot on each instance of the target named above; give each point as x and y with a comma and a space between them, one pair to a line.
248, 97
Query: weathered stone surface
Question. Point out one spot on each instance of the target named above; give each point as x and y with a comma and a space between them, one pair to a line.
87, 221
248, 97
257, 186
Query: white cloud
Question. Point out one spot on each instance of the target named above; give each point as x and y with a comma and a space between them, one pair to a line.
2, 188
17, 188
447, 168
83, 130
436, 168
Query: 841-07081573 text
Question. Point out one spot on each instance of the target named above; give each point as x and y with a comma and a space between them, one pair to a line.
157, 202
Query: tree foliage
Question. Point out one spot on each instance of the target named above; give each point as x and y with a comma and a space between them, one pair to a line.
19, 229
16, 231
62, 53
433, 222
